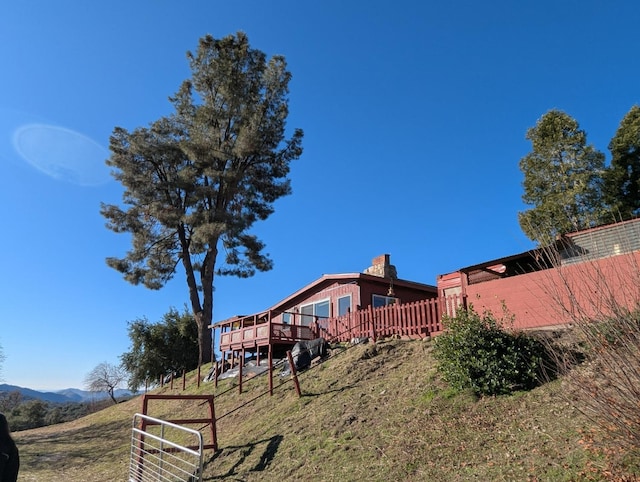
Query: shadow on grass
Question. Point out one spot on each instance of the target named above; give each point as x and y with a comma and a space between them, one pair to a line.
307, 393
238, 455
72, 447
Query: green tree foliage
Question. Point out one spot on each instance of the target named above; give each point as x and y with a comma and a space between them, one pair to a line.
169, 346
25, 414
105, 378
562, 179
10, 401
476, 353
622, 178
30, 414
197, 180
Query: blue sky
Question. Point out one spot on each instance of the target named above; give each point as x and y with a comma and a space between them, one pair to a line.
414, 115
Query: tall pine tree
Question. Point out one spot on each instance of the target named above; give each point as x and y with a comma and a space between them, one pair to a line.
562, 179
196, 181
622, 178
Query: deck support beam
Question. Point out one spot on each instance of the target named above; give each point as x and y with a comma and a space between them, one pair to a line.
270, 370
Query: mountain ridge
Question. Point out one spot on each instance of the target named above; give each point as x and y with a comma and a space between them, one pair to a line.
67, 395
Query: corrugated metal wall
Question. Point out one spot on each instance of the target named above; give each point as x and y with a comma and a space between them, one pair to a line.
602, 243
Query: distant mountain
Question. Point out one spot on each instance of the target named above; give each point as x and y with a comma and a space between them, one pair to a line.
78, 395
69, 395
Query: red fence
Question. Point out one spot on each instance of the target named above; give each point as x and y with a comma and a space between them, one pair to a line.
413, 320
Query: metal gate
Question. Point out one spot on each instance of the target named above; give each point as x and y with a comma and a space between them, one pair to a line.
163, 451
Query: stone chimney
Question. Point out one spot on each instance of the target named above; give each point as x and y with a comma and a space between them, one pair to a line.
382, 267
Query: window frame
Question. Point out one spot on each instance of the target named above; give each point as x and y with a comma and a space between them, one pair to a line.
348, 308
388, 300
313, 313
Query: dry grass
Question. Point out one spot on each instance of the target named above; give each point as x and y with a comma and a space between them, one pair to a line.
375, 412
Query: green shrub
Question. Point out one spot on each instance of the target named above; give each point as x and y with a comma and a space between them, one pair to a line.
475, 352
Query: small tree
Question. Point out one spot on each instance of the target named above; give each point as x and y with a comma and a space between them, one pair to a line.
562, 179
9, 401
196, 181
170, 345
105, 378
30, 414
622, 178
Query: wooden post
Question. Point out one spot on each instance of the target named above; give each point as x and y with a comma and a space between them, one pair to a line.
215, 374
214, 428
171, 385
294, 374
270, 371
240, 367
199, 367
184, 380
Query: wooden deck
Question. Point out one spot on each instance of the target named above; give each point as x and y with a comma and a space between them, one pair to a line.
409, 320
264, 334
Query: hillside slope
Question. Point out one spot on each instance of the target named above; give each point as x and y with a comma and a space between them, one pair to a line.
374, 412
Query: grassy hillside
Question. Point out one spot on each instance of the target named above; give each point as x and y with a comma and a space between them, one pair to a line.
374, 412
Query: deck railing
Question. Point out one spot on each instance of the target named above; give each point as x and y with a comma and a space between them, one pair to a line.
413, 320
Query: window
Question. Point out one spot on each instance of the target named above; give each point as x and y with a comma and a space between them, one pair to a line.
306, 313
318, 309
344, 305
379, 300
286, 318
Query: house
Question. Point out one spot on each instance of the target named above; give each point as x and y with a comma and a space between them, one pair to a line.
584, 274
333, 306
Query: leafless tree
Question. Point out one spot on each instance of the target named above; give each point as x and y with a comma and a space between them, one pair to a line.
105, 378
600, 298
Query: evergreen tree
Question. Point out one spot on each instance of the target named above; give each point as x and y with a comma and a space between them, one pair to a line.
622, 178
197, 180
170, 345
562, 179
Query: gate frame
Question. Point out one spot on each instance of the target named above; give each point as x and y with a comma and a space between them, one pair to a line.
138, 451
211, 420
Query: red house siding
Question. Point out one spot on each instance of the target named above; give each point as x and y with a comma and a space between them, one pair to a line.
542, 299
332, 293
268, 328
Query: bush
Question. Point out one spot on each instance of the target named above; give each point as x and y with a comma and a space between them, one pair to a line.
475, 352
